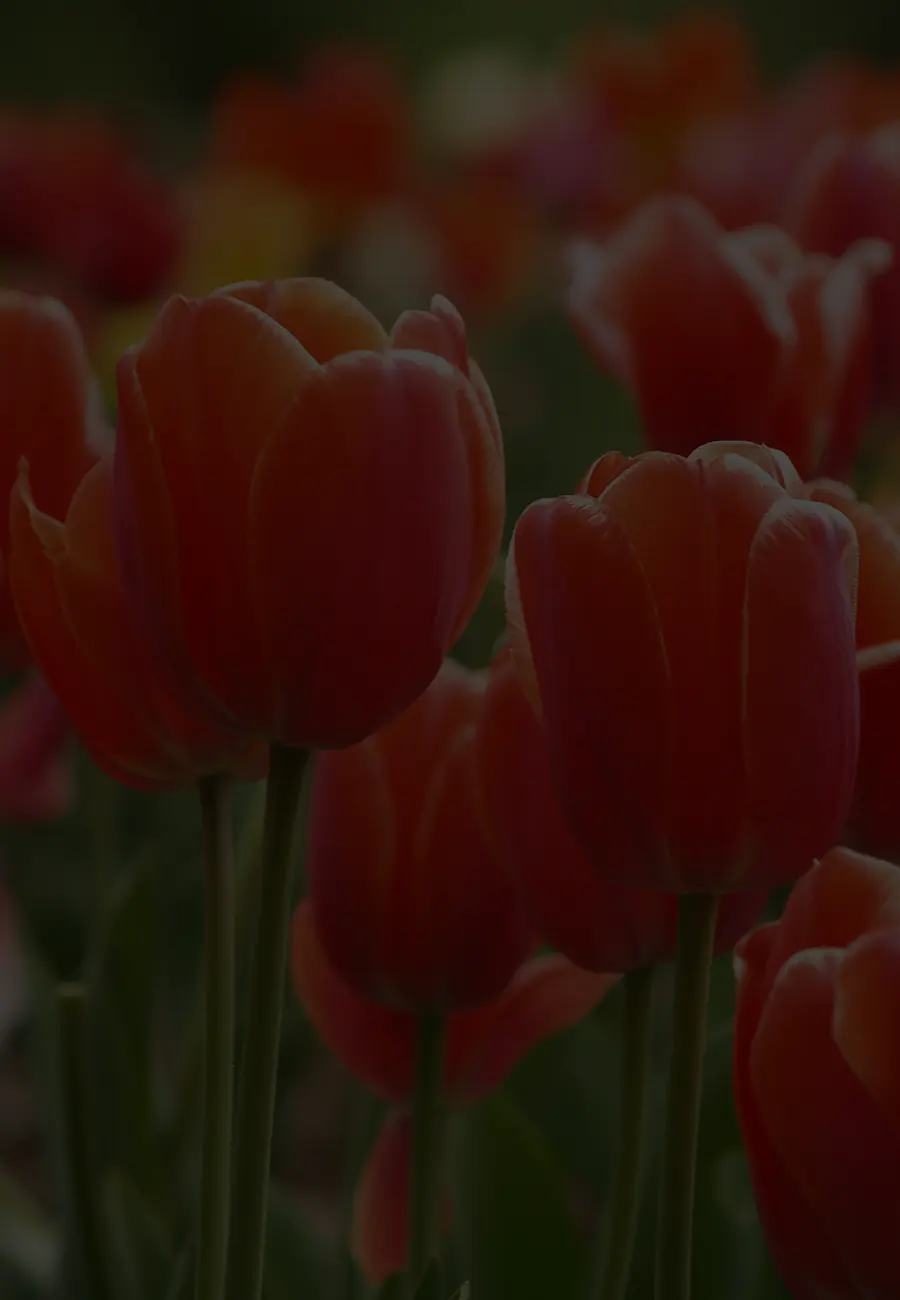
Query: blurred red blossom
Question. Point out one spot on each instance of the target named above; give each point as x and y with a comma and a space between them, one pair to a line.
35, 768
73, 194
773, 347
378, 1044
849, 189
341, 132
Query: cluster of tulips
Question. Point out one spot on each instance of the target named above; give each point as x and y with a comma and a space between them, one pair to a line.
274, 551
296, 520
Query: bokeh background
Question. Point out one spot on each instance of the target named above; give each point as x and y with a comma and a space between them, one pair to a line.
167, 53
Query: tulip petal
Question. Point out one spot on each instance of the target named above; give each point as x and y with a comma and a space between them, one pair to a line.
692, 524
867, 1016
546, 995
98, 707
371, 458
197, 401
376, 1043
44, 415
592, 633
801, 705
320, 315
832, 1138
380, 1233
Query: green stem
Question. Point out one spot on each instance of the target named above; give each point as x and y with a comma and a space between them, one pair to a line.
101, 803
626, 1188
260, 1055
84, 1193
426, 1172
215, 1194
696, 936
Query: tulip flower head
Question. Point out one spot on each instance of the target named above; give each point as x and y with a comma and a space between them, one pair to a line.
378, 1043
308, 508
775, 348
686, 629
817, 1079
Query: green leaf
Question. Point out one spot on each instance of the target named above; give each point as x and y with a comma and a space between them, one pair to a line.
141, 1257
515, 1222
297, 1262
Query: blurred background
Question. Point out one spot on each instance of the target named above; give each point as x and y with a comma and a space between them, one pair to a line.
174, 55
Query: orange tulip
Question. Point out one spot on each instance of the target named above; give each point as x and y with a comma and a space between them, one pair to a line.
875, 814
411, 904
308, 508
817, 1079
47, 415
850, 189
68, 592
687, 629
774, 348
597, 923
378, 1044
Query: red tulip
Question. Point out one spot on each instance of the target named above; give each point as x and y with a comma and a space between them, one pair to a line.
69, 597
597, 923
308, 508
71, 193
774, 348
875, 815
817, 1079
688, 633
850, 189
412, 905
378, 1044
46, 416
